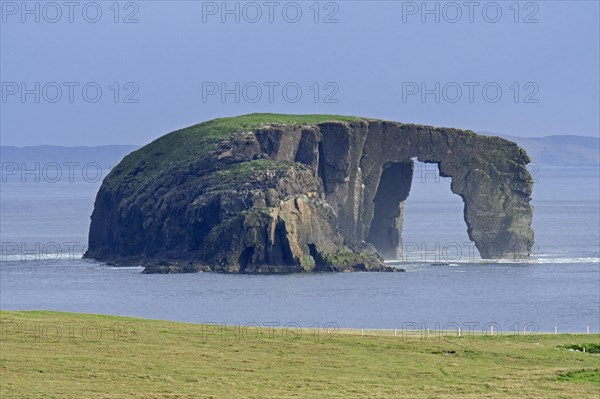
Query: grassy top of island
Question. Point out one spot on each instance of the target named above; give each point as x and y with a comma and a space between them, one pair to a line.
69, 355
192, 143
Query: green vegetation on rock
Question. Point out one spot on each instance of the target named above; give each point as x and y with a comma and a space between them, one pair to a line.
346, 257
192, 143
234, 175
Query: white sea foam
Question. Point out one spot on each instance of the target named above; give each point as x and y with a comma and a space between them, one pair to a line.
46, 257
538, 260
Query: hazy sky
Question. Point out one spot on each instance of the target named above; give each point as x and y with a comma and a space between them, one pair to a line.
168, 66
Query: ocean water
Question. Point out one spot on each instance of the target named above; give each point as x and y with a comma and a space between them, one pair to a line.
44, 231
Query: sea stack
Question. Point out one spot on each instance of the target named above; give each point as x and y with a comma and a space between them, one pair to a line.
269, 193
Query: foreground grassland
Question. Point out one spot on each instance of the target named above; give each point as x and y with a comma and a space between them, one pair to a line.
67, 355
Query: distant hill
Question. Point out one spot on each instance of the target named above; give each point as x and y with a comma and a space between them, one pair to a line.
106, 155
560, 150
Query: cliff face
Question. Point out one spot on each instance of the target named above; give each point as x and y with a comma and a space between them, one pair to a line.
276, 193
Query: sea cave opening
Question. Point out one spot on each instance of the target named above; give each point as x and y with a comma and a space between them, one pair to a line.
246, 258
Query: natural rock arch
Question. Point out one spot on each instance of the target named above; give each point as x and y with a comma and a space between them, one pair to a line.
488, 173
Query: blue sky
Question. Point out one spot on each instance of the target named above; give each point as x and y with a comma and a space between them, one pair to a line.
530, 69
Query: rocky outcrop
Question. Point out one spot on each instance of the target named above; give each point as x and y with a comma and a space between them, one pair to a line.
266, 193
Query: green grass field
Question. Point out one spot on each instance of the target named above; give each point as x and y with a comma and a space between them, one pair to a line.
68, 355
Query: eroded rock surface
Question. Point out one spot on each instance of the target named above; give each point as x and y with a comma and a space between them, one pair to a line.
268, 193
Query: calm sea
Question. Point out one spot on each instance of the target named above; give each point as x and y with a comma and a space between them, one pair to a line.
44, 232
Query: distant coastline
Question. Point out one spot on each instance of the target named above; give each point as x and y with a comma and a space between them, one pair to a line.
551, 151
106, 156
559, 150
